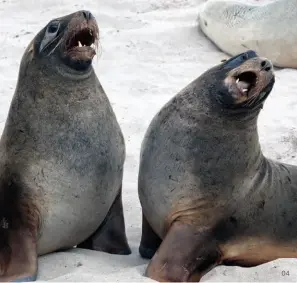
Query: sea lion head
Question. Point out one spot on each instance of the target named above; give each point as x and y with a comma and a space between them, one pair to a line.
240, 84
68, 43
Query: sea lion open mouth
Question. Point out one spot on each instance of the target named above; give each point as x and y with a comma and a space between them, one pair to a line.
246, 81
82, 41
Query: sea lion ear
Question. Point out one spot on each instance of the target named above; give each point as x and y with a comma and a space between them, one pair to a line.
50, 34
30, 48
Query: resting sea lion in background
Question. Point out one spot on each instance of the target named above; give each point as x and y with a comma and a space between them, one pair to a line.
208, 194
62, 153
269, 29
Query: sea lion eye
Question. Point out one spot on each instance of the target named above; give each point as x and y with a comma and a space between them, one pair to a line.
49, 35
53, 27
245, 56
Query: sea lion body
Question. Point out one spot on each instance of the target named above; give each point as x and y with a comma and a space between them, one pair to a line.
62, 153
71, 160
208, 194
235, 27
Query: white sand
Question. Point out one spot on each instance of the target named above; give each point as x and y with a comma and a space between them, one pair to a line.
150, 50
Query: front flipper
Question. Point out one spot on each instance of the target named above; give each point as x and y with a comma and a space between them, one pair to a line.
185, 254
150, 241
110, 237
18, 255
26, 279
19, 227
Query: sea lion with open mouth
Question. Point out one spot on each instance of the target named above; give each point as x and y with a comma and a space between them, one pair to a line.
208, 194
62, 154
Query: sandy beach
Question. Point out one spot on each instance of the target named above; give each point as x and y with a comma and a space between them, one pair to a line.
149, 50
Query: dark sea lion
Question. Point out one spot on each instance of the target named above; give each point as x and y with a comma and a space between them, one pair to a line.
208, 194
62, 154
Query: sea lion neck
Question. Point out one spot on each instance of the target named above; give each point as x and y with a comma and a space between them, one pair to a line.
231, 147
220, 138
55, 68
55, 81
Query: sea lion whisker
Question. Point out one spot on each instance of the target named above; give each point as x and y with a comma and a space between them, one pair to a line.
51, 42
249, 101
59, 42
252, 99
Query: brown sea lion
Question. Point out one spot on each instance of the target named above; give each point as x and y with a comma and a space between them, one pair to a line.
62, 154
208, 194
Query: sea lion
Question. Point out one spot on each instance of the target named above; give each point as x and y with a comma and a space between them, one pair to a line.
62, 153
209, 196
269, 29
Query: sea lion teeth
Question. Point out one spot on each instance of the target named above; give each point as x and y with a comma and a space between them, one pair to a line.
237, 80
243, 85
79, 44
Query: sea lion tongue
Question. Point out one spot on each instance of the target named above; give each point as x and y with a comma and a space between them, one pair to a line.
243, 85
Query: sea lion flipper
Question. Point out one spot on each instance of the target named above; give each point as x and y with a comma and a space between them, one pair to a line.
110, 237
19, 257
19, 222
26, 279
184, 255
150, 241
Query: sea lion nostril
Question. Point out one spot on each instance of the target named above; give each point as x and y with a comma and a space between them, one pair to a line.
88, 15
266, 65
